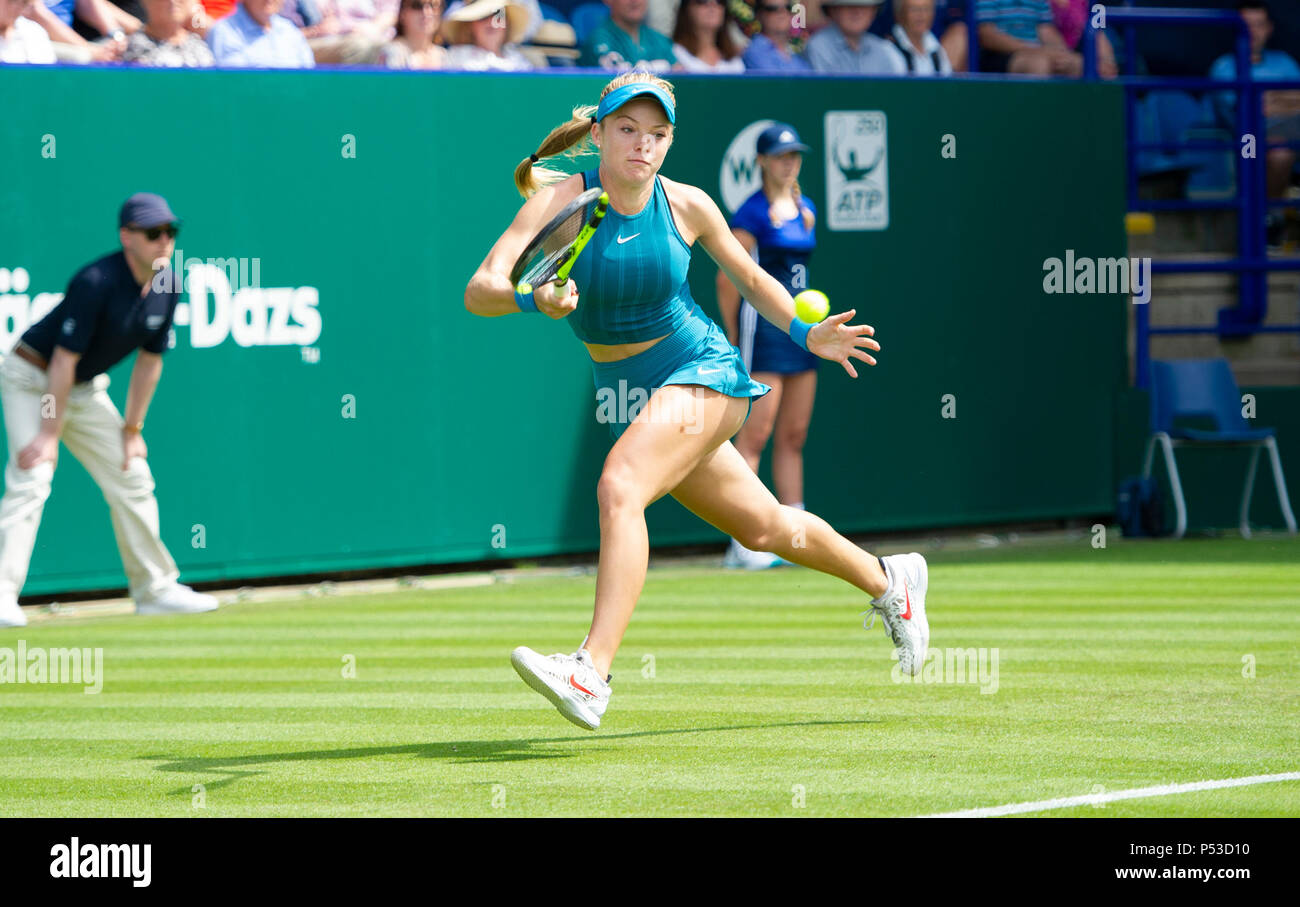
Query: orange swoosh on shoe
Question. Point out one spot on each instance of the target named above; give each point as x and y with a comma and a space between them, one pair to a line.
907, 615
574, 683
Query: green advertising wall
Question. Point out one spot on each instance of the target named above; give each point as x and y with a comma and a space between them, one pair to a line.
356, 415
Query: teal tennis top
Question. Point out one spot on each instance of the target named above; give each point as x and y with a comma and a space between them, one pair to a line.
631, 277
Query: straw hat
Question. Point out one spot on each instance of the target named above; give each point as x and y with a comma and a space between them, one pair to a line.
455, 27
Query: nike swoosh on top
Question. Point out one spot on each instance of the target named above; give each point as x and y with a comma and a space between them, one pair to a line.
709, 371
577, 686
623, 239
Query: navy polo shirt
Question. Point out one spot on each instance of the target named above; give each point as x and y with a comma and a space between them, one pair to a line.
780, 249
104, 318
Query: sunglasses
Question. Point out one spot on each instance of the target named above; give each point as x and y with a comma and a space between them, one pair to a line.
706, 2
776, 9
152, 233
420, 7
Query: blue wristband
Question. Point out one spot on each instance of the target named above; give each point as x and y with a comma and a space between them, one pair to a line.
525, 299
799, 332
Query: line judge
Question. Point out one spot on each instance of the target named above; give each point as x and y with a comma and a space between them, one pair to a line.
53, 387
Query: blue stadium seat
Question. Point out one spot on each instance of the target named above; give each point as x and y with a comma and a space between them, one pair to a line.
566, 7
1205, 388
586, 17
1151, 161
1185, 118
1176, 116
550, 12
1178, 111
1215, 176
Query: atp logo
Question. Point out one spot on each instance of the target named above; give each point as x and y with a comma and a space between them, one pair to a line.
857, 170
740, 177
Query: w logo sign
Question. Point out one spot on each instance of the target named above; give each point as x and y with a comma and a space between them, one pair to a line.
740, 177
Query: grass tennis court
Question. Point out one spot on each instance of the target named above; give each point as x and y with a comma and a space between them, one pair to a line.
1117, 668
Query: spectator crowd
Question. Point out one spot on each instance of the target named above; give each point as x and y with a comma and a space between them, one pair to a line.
871, 37
867, 37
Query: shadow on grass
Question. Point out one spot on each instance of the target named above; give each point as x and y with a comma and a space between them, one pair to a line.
235, 768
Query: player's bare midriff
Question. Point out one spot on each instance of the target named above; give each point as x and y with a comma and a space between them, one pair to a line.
613, 352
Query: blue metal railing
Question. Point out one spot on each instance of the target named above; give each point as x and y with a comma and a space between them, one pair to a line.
972, 38
1251, 201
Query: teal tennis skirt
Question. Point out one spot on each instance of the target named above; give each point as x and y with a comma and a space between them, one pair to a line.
696, 353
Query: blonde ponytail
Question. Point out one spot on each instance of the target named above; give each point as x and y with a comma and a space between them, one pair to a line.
808, 219
568, 139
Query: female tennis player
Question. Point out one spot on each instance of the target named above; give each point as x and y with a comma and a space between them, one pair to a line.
628, 301
777, 221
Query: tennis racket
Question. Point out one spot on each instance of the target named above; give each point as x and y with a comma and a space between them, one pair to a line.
556, 247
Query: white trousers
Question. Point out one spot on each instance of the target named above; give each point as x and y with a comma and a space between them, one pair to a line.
92, 432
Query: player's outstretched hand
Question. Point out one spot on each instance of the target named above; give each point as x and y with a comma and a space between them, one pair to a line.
834, 339
557, 303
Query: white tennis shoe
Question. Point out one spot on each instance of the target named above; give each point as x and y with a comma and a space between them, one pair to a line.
570, 682
10, 614
176, 600
902, 609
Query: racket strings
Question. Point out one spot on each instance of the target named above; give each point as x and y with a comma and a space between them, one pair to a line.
556, 244
566, 232
544, 267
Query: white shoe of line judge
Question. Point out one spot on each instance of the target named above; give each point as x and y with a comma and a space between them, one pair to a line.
10, 614
740, 557
176, 600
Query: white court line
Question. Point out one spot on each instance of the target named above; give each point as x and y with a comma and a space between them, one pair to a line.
1160, 790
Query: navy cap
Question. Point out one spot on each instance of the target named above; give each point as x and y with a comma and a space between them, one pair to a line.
778, 139
145, 209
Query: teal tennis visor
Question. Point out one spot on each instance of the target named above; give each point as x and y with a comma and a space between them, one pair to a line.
620, 96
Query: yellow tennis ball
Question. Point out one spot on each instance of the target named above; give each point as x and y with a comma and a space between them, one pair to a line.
811, 306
